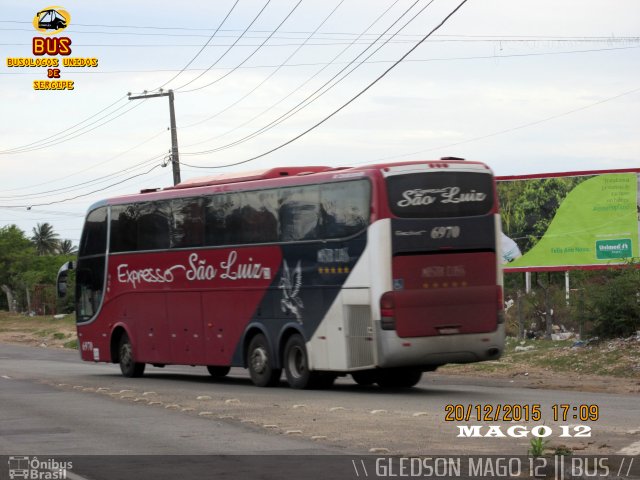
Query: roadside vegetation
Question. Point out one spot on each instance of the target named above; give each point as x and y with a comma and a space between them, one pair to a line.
28, 269
596, 331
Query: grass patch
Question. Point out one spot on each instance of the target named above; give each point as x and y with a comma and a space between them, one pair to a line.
72, 344
43, 328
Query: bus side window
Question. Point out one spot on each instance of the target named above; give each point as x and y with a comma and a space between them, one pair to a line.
299, 212
259, 223
153, 226
218, 212
187, 223
344, 208
124, 228
94, 235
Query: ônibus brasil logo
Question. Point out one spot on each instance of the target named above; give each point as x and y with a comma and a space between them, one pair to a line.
51, 20
32, 468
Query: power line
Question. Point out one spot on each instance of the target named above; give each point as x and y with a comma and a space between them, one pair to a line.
78, 186
309, 99
324, 67
510, 129
358, 95
109, 160
228, 49
596, 38
25, 146
53, 202
202, 48
249, 57
368, 62
79, 132
277, 69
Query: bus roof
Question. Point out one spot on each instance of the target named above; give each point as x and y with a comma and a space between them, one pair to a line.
236, 177
271, 175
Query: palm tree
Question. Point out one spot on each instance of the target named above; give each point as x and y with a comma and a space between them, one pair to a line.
45, 239
66, 247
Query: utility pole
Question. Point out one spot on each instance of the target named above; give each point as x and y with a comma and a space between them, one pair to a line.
175, 159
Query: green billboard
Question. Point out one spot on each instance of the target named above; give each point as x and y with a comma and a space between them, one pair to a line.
569, 221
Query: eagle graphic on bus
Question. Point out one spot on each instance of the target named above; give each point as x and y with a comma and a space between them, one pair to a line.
290, 286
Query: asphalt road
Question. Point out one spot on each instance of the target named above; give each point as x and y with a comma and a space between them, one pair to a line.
52, 404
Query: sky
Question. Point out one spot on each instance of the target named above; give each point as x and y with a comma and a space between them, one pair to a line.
524, 86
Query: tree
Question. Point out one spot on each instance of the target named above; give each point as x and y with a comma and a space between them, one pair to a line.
45, 239
66, 247
613, 302
16, 253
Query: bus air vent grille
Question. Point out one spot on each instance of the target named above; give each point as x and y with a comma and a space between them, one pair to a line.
359, 331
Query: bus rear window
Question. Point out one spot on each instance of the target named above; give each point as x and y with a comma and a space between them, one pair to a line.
440, 194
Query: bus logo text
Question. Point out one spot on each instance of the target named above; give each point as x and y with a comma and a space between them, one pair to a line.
418, 196
196, 270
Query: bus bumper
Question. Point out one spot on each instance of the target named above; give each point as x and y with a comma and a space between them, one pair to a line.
431, 352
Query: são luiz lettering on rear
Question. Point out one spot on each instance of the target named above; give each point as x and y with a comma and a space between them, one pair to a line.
381, 272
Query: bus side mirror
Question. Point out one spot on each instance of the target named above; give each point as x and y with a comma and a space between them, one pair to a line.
63, 275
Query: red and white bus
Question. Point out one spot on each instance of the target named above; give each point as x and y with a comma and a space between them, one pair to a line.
382, 272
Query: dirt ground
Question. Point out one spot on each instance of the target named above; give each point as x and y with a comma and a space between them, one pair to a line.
536, 377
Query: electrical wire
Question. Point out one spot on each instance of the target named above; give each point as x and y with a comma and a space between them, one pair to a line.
247, 58
507, 130
95, 181
228, 49
53, 202
277, 69
202, 48
355, 97
79, 133
309, 99
26, 146
108, 160
368, 62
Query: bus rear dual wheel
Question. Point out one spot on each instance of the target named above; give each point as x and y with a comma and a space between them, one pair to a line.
296, 367
295, 361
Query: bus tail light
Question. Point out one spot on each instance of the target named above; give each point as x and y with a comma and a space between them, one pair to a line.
388, 311
500, 305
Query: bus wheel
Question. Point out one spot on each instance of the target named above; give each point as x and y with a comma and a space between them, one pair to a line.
399, 377
128, 366
218, 372
296, 367
261, 364
365, 377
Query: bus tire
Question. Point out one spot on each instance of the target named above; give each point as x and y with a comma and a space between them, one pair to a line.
365, 377
218, 372
128, 366
260, 363
398, 377
296, 367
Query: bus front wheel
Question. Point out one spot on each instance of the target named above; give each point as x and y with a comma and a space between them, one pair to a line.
260, 363
128, 366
